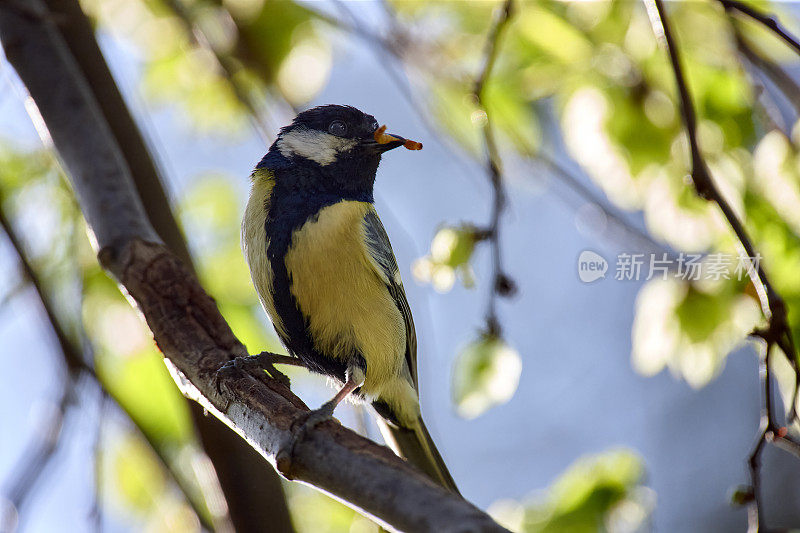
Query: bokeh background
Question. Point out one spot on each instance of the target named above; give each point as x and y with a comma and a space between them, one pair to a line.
616, 405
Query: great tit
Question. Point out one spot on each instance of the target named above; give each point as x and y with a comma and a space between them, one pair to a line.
326, 275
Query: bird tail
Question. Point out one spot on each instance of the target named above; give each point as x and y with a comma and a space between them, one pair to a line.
416, 446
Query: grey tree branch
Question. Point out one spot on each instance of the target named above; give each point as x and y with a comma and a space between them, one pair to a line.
186, 323
251, 490
76, 365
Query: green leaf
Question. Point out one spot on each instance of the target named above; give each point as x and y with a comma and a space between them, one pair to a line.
141, 488
690, 328
451, 251
139, 479
486, 374
593, 494
141, 384
699, 314
315, 512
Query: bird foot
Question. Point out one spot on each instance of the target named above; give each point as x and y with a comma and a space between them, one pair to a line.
255, 365
301, 427
308, 421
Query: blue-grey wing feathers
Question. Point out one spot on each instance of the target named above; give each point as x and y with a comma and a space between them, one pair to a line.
380, 249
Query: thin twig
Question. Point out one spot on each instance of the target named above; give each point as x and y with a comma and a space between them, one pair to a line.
388, 56
501, 284
772, 304
777, 75
785, 83
755, 509
72, 357
777, 331
769, 21
388, 53
226, 66
38, 453
96, 512
18, 287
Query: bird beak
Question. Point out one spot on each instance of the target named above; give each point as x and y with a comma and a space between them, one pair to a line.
391, 145
383, 142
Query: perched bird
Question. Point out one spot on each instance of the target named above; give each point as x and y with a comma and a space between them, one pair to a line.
326, 275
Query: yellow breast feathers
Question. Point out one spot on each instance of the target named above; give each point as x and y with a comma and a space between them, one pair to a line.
339, 290
254, 242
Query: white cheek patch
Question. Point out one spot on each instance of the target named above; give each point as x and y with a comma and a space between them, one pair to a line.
315, 145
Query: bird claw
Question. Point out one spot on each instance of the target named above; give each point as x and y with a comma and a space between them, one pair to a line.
254, 365
227, 370
311, 419
300, 429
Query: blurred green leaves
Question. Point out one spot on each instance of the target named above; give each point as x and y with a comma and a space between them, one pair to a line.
451, 251
94, 314
596, 64
486, 374
210, 210
600, 492
137, 475
314, 512
221, 60
142, 491
599, 66
690, 327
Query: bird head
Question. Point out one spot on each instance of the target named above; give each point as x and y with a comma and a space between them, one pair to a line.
334, 146
326, 133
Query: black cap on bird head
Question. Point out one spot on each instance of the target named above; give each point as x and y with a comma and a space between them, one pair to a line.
325, 133
333, 146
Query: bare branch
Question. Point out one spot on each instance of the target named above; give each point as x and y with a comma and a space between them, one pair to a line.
755, 515
768, 21
96, 513
15, 290
186, 323
73, 357
48, 436
772, 304
388, 52
501, 284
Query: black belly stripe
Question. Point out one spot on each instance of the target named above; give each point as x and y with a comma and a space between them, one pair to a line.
289, 209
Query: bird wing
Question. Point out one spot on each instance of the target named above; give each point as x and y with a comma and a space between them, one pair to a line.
379, 250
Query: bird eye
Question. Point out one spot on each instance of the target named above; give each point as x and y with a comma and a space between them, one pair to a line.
373, 125
337, 128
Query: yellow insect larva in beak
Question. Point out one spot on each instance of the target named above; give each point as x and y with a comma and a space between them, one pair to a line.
381, 137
